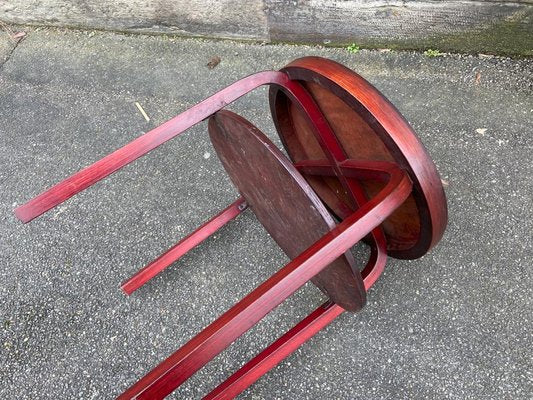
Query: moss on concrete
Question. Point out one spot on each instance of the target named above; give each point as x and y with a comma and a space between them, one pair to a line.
510, 37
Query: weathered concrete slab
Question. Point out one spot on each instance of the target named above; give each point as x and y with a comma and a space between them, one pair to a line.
213, 18
6, 46
486, 26
464, 26
455, 324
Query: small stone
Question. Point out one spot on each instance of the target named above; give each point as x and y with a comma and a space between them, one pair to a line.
213, 62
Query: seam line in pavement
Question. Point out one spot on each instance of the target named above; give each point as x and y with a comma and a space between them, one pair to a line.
10, 53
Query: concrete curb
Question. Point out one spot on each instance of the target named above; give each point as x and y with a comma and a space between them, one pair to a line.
484, 26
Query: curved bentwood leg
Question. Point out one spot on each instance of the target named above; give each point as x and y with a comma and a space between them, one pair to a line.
143, 144
276, 352
176, 369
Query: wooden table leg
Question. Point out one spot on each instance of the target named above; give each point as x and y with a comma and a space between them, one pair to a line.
183, 246
176, 369
276, 352
283, 347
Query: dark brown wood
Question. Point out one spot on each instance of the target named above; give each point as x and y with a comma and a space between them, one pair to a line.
368, 127
282, 201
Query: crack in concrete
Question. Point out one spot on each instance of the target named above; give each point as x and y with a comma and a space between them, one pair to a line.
10, 52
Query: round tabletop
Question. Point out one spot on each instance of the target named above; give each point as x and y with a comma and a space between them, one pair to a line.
283, 202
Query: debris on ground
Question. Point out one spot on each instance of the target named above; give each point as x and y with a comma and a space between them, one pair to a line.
213, 62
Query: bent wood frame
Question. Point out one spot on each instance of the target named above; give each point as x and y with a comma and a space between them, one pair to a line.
366, 220
176, 369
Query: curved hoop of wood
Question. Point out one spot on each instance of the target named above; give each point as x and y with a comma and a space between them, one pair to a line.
366, 126
181, 365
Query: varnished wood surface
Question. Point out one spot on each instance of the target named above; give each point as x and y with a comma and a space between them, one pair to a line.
368, 127
357, 153
181, 365
282, 201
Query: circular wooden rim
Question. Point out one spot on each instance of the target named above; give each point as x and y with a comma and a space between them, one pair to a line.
392, 129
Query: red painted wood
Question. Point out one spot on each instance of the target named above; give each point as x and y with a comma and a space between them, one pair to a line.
276, 352
283, 347
172, 372
183, 246
143, 144
366, 126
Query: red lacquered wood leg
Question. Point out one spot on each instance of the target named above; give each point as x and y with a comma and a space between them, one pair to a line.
176, 369
157, 136
271, 356
183, 246
276, 352
254, 369
250, 372
143, 144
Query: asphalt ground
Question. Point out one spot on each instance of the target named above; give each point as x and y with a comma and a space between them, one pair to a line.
455, 324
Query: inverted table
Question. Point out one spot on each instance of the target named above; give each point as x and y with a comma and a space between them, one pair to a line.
356, 172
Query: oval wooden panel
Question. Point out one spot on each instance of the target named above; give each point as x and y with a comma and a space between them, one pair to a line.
368, 127
282, 201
